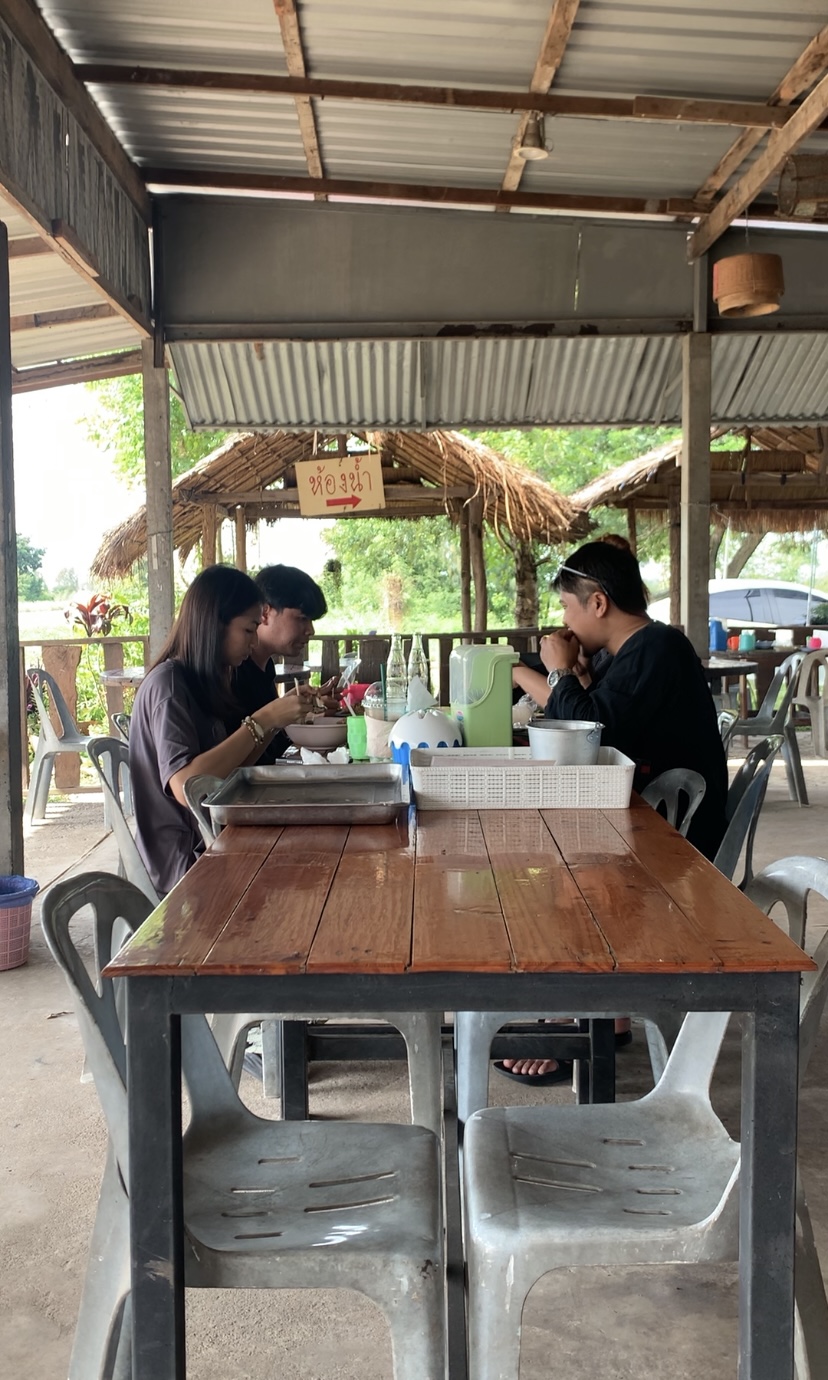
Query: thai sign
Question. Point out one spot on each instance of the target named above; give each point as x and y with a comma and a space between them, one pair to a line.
338, 485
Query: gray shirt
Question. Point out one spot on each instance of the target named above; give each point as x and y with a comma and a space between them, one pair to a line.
168, 729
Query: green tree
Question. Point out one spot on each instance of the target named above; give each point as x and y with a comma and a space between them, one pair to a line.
116, 423
30, 583
66, 582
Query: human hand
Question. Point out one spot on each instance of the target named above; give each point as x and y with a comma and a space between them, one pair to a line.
560, 650
286, 709
326, 696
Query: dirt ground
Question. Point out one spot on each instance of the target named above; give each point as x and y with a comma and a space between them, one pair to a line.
674, 1324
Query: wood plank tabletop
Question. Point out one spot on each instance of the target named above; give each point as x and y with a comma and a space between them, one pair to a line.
488, 891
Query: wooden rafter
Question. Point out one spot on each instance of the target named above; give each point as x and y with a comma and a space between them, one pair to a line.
549, 60
64, 316
288, 17
666, 109
425, 193
76, 371
808, 67
27, 248
780, 145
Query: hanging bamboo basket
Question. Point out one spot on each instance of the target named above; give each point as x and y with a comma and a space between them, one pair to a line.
748, 284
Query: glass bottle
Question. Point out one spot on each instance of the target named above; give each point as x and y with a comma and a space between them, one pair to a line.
418, 661
396, 680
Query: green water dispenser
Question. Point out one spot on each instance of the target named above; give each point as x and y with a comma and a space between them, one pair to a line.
480, 690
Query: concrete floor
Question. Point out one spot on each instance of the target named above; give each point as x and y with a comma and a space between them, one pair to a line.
675, 1324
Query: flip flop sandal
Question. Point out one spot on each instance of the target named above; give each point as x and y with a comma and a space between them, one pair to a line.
562, 1074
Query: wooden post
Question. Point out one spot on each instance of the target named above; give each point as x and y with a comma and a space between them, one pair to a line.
241, 540
465, 571
478, 563
159, 498
695, 488
675, 553
209, 524
632, 535
11, 738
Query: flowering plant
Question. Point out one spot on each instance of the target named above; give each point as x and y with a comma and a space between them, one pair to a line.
96, 617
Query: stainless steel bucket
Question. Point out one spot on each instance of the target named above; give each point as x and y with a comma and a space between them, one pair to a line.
567, 742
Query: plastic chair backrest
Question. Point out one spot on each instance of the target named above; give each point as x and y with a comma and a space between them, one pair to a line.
37, 678
726, 719
116, 755
122, 722
788, 882
787, 675
680, 791
742, 827
765, 751
110, 758
196, 790
118, 908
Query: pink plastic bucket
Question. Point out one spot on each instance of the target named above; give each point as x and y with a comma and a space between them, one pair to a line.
16, 896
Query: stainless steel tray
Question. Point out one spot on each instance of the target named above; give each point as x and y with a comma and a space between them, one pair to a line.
372, 794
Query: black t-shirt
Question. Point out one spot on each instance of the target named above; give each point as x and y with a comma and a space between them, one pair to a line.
254, 686
656, 707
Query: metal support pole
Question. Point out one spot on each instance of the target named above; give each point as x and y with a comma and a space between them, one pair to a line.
159, 498
11, 728
695, 489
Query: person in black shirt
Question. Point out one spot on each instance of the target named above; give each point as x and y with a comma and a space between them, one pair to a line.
291, 600
652, 698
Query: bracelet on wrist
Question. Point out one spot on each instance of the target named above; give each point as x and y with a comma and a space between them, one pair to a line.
255, 730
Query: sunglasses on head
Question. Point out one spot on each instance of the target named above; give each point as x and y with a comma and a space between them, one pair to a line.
580, 574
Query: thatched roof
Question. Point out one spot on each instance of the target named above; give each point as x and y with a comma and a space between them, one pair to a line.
772, 479
424, 474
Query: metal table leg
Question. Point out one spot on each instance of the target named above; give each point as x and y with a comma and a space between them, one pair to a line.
770, 1057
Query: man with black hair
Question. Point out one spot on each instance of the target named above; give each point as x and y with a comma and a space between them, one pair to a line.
291, 601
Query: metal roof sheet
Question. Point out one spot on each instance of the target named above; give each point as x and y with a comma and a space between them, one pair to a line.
48, 344
415, 384
242, 36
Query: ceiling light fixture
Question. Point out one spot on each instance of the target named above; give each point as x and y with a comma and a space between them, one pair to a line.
532, 146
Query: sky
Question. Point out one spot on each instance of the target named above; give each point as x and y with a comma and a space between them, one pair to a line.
67, 494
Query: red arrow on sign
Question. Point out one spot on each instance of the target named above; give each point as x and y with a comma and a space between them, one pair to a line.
352, 502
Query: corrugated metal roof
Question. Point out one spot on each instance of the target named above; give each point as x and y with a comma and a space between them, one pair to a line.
48, 344
414, 143
436, 383
16, 224
240, 37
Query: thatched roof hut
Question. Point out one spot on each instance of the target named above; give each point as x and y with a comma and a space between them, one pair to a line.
770, 479
253, 477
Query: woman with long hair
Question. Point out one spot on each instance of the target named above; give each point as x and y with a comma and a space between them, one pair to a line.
177, 729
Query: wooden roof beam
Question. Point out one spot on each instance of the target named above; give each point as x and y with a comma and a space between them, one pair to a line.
30, 29
75, 371
29, 247
810, 65
781, 145
286, 13
558, 29
65, 316
222, 181
662, 109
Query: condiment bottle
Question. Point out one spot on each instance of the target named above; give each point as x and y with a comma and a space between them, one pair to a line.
417, 661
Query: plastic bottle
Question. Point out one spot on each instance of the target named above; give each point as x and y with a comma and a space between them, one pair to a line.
417, 661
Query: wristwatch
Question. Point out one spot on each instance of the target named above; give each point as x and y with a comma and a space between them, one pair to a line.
554, 676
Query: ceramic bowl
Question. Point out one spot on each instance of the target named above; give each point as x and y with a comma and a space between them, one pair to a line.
323, 735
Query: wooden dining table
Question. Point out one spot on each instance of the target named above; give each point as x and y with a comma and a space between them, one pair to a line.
530, 910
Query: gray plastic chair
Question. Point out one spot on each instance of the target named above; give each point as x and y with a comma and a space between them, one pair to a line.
681, 792
49, 744
196, 791
811, 697
122, 722
378, 1187
521, 1223
763, 752
110, 758
772, 718
741, 829
726, 719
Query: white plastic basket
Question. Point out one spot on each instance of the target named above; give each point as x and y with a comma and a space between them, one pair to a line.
511, 779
